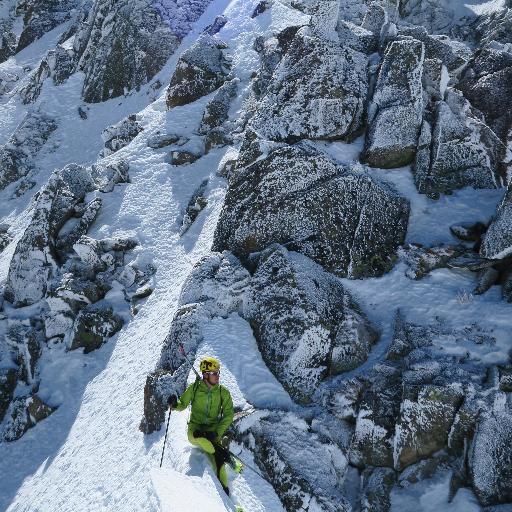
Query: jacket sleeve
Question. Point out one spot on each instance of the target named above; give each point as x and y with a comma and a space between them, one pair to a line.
229, 413
185, 398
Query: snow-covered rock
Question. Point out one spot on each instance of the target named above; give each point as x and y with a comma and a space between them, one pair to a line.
306, 325
105, 177
196, 204
396, 110
341, 218
16, 156
458, 151
201, 69
120, 135
318, 91
491, 458
497, 241
58, 64
121, 46
39, 17
216, 111
308, 477
487, 83
93, 325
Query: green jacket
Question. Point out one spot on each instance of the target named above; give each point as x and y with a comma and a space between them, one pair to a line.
212, 408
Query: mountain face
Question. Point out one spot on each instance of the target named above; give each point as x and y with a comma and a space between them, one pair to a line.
315, 191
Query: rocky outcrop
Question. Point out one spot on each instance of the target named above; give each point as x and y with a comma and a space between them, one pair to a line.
58, 64
121, 46
201, 69
396, 110
16, 156
487, 83
306, 325
120, 135
196, 204
459, 150
33, 262
318, 91
341, 218
39, 17
300, 481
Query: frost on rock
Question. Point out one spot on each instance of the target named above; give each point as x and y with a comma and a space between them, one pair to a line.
487, 83
437, 16
307, 477
458, 151
216, 111
196, 204
93, 325
120, 135
452, 53
341, 218
23, 414
377, 485
215, 287
17, 155
121, 46
105, 177
306, 325
201, 69
318, 91
491, 458
33, 262
425, 420
396, 110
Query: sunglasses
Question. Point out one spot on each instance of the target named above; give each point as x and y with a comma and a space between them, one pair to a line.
214, 374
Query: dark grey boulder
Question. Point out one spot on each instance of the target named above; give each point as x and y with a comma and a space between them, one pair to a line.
396, 110
93, 325
306, 325
377, 485
39, 17
201, 69
196, 204
487, 84
424, 423
422, 260
8, 381
318, 91
341, 218
25, 413
216, 111
497, 241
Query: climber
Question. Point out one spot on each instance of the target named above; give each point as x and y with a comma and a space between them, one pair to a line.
212, 413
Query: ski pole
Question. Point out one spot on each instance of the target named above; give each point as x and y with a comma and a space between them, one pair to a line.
183, 353
165, 439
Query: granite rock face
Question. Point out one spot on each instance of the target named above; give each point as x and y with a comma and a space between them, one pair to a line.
341, 218
202, 69
396, 110
307, 326
317, 91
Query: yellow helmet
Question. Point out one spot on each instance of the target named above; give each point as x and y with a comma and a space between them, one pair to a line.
209, 364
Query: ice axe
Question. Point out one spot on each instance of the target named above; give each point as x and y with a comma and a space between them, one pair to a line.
184, 354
